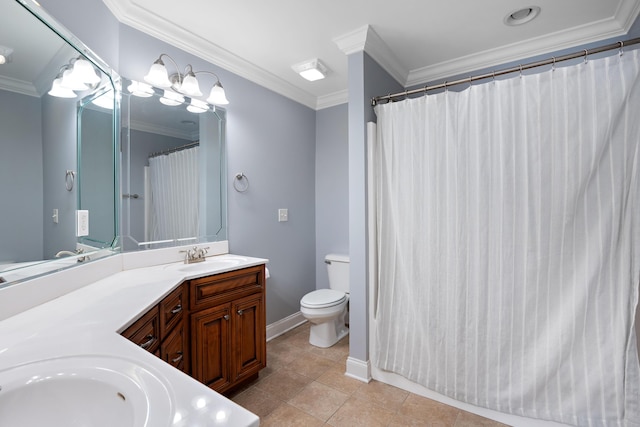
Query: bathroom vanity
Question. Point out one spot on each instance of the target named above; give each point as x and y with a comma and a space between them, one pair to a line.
212, 328
180, 349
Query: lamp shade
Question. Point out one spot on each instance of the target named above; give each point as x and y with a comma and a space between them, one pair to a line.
158, 76
59, 91
217, 95
84, 72
197, 106
142, 90
171, 98
69, 82
190, 86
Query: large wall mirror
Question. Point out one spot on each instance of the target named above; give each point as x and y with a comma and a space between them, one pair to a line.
173, 169
42, 116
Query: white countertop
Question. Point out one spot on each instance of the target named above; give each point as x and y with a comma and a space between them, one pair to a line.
88, 320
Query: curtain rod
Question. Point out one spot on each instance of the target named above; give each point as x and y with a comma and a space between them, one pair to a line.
551, 61
174, 149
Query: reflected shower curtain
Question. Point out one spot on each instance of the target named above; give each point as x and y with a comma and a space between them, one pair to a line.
508, 242
174, 187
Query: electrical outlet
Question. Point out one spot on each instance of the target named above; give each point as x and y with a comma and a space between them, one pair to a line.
283, 215
82, 223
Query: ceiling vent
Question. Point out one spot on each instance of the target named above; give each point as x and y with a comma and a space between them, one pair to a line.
522, 16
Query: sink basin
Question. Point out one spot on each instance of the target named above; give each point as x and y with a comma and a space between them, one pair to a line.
83, 391
212, 263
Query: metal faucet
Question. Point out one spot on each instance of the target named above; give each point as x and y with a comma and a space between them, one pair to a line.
195, 254
77, 252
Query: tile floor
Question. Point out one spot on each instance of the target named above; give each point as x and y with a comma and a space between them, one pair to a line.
306, 386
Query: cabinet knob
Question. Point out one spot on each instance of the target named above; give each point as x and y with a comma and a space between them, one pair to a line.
177, 309
240, 312
226, 317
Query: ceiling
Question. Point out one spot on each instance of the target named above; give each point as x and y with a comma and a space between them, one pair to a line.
416, 41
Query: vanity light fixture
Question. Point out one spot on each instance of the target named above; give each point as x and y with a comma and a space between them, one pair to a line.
77, 75
5, 55
105, 100
186, 83
311, 70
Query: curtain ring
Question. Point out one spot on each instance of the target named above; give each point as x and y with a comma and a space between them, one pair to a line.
621, 48
69, 178
493, 77
586, 54
470, 80
445, 86
406, 94
520, 70
553, 65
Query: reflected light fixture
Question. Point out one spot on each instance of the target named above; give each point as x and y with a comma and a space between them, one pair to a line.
5, 55
197, 106
185, 83
77, 75
140, 89
104, 100
171, 98
311, 70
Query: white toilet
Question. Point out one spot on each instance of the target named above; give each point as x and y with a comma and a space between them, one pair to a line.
326, 309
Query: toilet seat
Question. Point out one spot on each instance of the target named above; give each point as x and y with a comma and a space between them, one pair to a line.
323, 298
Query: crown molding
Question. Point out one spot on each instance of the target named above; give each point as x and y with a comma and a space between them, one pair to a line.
18, 86
366, 39
332, 99
565, 39
148, 22
161, 130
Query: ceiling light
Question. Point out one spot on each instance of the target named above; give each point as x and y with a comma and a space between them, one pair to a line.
311, 70
5, 55
185, 83
522, 16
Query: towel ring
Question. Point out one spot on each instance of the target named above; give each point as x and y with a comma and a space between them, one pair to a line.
69, 178
241, 183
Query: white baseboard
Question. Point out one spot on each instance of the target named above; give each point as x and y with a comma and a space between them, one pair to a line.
281, 326
359, 369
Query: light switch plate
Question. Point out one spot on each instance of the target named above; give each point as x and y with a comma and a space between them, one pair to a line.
82, 223
283, 215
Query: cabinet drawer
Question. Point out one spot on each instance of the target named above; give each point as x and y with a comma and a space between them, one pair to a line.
145, 332
221, 288
174, 348
172, 309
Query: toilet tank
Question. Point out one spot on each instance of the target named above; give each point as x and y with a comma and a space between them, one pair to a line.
338, 269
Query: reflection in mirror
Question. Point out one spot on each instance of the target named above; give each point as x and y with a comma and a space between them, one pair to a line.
39, 163
173, 169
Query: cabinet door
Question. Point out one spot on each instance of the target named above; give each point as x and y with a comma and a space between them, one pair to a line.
210, 346
173, 349
248, 337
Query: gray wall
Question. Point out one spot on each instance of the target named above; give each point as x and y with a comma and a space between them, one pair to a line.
21, 178
366, 80
59, 151
270, 138
332, 187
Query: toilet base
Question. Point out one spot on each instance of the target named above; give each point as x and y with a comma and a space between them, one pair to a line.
326, 334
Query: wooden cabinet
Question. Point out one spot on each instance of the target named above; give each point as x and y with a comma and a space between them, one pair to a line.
228, 328
213, 328
163, 331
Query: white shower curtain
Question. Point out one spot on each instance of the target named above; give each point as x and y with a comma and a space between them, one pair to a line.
174, 187
508, 242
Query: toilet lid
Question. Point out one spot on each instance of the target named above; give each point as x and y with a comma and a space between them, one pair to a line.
323, 298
